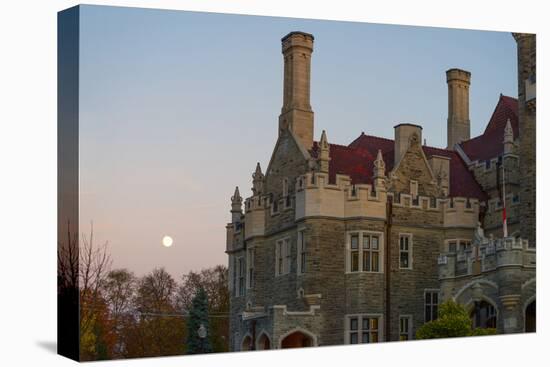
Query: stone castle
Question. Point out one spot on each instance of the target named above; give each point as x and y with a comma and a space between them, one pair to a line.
360, 243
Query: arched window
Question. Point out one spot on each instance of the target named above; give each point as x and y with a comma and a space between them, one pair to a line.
263, 342
484, 315
247, 343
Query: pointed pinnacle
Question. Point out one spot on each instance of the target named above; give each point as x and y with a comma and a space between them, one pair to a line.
258, 169
236, 196
324, 141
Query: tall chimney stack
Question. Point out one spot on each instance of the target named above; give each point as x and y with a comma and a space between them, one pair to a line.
458, 121
296, 113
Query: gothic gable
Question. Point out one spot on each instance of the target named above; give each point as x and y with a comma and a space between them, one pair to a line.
413, 166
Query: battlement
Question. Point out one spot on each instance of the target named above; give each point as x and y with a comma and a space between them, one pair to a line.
486, 256
315, 196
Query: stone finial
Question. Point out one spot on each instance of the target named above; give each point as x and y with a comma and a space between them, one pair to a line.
236, 206
379, 166
324, 153
508, 137
236, 198
257, 180
379, 172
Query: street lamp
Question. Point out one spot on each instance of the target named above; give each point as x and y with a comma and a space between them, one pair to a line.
202, 335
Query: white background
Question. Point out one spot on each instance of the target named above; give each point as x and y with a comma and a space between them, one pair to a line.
28, 181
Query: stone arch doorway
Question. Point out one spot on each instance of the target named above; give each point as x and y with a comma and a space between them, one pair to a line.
297, 339
263, 342
484, 315
247, 343
531, 317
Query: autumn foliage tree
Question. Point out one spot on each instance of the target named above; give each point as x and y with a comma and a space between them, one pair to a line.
158, 329
123, 316
97, 335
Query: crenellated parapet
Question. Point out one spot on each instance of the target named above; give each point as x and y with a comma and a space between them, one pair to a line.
485, 256
461, 212
316, 196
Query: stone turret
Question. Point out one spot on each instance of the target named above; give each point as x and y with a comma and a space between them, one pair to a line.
458, 121
236, 206
508, 138
257, 180
324, 153
296, 113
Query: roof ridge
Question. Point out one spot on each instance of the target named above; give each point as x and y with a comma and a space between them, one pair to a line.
371, 136
342, 146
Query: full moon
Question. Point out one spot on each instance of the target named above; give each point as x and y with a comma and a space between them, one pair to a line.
167, 241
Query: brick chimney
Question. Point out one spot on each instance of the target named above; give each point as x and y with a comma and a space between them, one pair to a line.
296, 113
458, 121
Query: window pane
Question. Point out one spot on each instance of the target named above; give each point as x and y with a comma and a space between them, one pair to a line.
353, 338
404, 243
452, 246
375, 266
374, 323
404, 260
428, 314
434, 298
428, 299
366, 338
374, 337
434, 312
366, 242
366, 261
374, 241
353, 323
355, 261
354, 241
366, 325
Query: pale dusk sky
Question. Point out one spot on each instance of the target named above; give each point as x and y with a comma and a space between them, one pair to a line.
177, 107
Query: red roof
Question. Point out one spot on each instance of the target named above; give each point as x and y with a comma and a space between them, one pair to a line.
357, 161
489, 144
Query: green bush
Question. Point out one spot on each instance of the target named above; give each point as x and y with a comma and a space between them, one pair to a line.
453, 321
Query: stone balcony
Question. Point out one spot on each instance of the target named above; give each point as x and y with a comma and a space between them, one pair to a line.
486, 256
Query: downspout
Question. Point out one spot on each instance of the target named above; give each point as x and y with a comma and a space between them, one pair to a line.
387, 256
